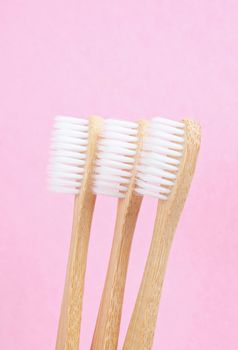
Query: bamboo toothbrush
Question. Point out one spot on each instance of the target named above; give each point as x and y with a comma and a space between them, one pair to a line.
70, 171
166, 171
115, 175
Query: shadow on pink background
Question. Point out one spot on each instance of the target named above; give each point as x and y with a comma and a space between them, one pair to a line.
123, 59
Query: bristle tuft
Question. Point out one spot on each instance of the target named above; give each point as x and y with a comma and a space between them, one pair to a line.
68, 154
162, 151
116, 156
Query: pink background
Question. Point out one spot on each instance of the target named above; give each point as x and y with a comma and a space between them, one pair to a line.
123, 59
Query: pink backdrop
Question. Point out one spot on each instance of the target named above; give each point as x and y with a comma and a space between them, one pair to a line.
123, 59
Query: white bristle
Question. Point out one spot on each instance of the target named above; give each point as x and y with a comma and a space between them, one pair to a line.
68, 154
160, 158
116, 156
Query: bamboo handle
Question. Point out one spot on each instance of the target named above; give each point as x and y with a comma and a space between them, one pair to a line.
142, 325
71, 308
109, 316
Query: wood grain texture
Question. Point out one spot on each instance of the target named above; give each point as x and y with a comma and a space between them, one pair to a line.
142, 325
109, 316
71, 309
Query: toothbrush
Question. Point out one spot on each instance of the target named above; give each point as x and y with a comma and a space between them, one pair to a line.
115, 175
166, 171
70, 171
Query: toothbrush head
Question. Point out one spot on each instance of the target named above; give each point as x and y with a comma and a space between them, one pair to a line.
117, 149
160, 158
68, 154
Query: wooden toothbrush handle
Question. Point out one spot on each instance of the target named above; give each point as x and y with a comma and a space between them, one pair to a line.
71, 308
142, 325
140, 332
109, 316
